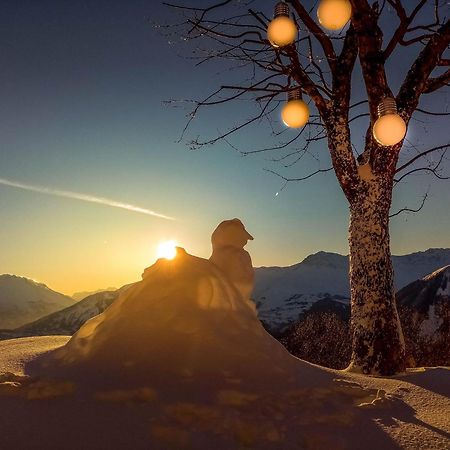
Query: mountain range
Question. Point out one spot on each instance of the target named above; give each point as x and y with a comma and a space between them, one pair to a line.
281, 294
83, 294
68, 320
429, 298
23, 300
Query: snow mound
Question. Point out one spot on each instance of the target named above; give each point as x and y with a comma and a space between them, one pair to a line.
184, 323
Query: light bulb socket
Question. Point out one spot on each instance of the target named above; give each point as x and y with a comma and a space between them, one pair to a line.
281, 9
387, 106
294, 94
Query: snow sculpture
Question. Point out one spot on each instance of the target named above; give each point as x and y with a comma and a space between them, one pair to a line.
189, 323
228, 241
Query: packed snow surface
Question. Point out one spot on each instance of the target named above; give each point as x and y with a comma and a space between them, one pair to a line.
180, 361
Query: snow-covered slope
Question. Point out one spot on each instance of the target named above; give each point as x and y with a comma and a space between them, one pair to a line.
184, 324
23, 300
282, 293
69, 320
429, 298
180, 361
78, 296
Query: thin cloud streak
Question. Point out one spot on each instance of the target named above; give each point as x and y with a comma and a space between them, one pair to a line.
83, 197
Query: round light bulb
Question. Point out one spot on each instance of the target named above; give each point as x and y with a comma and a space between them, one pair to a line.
334, 14
295, 113
281, 31
389, 129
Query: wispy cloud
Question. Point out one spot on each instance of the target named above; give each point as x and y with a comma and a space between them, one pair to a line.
83, 197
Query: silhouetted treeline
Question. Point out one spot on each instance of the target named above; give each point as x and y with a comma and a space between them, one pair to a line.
325, 338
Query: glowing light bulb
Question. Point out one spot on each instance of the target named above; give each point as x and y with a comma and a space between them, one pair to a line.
334, 14
389, 129
282, 30
295, 112
167, 250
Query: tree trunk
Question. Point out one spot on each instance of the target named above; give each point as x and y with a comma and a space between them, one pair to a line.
378, 345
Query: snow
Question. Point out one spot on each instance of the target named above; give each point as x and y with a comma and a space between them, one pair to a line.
431, 324
23, 300
228, 241
340, 411
180, 361
325, 275
70, 319
83, 294
281, 293
15, 354
444, 289
185, 308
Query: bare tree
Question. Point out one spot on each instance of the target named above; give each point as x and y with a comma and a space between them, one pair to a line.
326, 67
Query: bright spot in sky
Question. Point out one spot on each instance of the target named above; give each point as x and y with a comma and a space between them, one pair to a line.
167, 250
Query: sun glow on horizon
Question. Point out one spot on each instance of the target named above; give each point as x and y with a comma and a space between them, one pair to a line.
167, 250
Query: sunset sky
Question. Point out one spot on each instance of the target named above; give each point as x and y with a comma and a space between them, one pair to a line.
82, 116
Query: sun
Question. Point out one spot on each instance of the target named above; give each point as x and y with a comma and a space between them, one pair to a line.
167, 250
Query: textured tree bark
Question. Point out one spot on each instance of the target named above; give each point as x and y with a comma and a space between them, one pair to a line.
378, 347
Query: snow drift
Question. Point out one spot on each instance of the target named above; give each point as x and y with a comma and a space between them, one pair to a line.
184, 324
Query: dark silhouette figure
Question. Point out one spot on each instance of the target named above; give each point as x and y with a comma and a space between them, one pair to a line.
228, 254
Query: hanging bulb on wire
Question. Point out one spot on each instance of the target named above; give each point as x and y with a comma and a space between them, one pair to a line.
334, 14
295, 112
389, 129
282, 30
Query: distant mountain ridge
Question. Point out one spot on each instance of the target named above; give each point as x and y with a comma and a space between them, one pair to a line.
68, 320
281, 294
83, 294
429, 298
23, 300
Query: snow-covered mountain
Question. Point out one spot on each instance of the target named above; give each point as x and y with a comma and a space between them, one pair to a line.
83, 294
429, 298
282, 293
69, 320
23, 300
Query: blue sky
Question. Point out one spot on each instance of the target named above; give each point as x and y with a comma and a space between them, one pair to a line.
82, 91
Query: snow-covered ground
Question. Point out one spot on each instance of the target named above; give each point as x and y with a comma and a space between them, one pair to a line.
181, 361
329, 410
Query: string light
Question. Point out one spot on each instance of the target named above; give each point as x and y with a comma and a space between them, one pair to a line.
334, 14
295, 112
282, 30
390, 128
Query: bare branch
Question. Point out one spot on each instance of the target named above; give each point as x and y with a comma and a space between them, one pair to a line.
369, 35
432, 113
434, 84
297, 72
241, 40
417, 80
422, 154
434, 169
403, 210
306, 177
317, 31
402, 29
